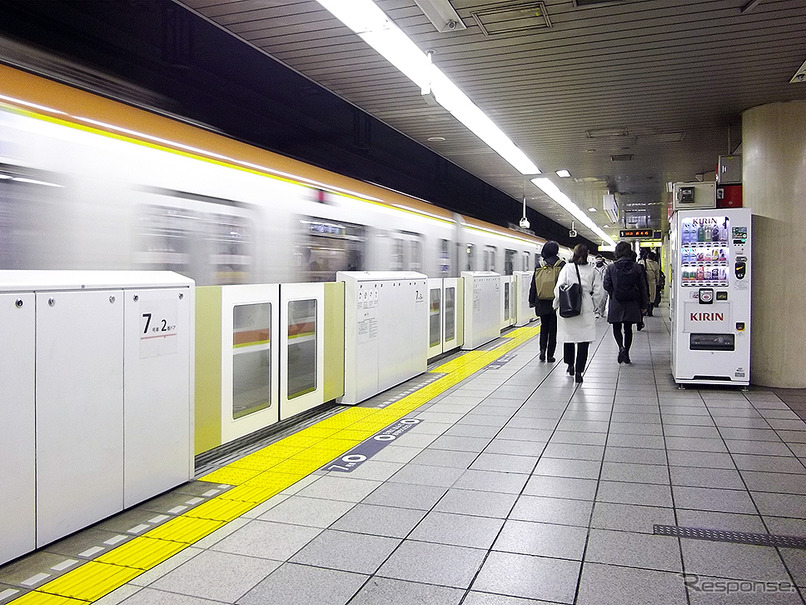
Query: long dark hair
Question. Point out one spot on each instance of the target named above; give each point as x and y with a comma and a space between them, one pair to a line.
580, 255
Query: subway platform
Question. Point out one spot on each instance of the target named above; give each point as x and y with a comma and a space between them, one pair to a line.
494, 480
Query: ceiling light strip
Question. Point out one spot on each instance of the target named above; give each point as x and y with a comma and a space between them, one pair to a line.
376, 29
550, 189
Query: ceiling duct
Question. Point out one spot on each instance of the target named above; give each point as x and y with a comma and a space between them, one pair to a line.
622, 157
610, 204
512, 18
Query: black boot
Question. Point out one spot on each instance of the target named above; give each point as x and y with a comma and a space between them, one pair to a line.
578, 377
542, 355
621, 354
571, 369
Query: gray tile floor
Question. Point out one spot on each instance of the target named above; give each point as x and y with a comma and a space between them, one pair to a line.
520, 486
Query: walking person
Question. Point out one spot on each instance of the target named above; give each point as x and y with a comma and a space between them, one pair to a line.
624, 282
541, 297
601, 267
579, 331
652, 276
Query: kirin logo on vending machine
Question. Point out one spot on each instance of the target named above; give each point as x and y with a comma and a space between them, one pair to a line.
706, 317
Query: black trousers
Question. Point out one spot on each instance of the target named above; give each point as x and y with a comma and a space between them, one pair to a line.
548, 333
581, 355
625, 341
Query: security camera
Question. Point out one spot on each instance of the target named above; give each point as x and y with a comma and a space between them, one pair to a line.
572, 233
524, 223
451, 25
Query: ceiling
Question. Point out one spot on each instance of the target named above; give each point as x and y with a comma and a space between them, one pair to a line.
626, 95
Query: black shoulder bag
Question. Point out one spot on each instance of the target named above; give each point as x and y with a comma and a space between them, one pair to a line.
571, 297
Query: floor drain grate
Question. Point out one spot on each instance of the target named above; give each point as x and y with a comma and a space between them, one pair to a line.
739, 537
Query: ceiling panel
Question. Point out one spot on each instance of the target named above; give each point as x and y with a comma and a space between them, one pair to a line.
675, 76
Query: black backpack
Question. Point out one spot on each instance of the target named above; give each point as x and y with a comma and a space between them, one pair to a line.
626, 282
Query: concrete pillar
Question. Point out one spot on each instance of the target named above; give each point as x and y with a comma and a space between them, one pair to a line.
774, 187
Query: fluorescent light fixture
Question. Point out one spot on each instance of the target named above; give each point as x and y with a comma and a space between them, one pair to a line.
441, 14
563, 174
370, 23
591, 209
563, 200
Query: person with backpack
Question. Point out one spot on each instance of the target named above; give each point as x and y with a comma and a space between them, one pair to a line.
578, 330
541, 297
624, 281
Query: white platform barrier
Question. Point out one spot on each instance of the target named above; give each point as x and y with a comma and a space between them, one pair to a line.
385, 330
523, 312
483, 308
445, 319
97, 371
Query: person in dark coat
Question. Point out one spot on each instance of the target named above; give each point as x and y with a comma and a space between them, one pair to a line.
544, 308
627, 304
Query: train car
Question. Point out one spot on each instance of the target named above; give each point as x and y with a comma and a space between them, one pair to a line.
91, 183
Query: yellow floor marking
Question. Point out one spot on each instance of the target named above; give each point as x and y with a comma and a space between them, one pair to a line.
230, 475
290, 460
142, 553
40, 598
91, 581
221, 510
184, 529
253, 493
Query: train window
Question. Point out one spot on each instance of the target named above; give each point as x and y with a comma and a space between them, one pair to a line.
434, 312
407, 251
509, 261
327, 247
415, 255
166, 236
470, 257
489, 257
526, 261
444, 257
301, 347
450, 313
230, 248
251, 358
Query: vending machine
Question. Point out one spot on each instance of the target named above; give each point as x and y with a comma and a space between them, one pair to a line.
710, 298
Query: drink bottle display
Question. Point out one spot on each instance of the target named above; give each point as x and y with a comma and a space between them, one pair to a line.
715, 233
701, 234
714, 254
700, 273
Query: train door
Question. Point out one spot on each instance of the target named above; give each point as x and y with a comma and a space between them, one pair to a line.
327, 246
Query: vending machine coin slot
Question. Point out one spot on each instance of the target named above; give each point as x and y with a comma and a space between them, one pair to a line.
740, 326
706, 296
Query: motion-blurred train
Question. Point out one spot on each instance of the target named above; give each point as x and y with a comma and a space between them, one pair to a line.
91, 183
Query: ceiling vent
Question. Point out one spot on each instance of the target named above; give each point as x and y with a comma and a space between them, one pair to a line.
579, 3
604, 133
624, 157
512, 18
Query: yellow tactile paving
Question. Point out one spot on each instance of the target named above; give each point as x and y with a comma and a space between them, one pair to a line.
91, 581
290, 460
41, 598
230, 475
142, 553
219, 509
185, 529
252, 493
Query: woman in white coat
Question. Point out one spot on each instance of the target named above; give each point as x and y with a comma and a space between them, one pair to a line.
578, 332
